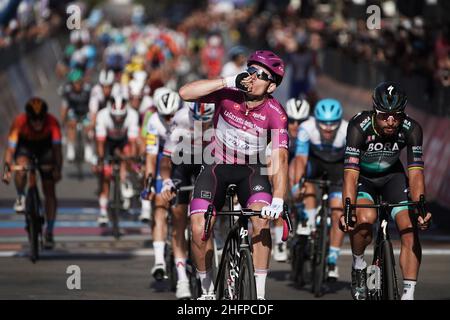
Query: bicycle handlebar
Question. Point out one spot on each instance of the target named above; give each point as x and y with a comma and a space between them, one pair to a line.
320, 183
246, 212
349, 207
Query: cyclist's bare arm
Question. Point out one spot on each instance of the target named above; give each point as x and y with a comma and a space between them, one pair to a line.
300, 166
200, 88
150, 165
417, 187
350, 185
8, 159
280, 166
165, 168
100, 150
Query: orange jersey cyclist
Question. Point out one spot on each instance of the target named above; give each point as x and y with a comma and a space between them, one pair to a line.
36, 133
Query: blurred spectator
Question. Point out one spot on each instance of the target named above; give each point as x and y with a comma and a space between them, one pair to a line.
237, 63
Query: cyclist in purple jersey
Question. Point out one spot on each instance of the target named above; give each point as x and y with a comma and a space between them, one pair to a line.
246, 118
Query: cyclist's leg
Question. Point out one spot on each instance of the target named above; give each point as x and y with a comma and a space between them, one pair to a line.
159, 222
255, 192
105, 184
48, 186
210, 188
395, 191
335, 171
310, 201
361, 237
71, 132
22, 158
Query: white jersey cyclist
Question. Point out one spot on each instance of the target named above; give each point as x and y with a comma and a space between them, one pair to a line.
310, 142
106, 128
174, 136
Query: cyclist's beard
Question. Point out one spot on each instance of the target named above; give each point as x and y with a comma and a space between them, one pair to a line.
251, 97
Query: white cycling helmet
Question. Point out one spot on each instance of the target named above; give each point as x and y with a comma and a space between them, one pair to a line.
106, 77
117, 107
203, 112
135, 88
167, 101
297, 109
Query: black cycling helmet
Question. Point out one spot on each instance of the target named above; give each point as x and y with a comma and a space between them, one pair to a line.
389, 97
36, 108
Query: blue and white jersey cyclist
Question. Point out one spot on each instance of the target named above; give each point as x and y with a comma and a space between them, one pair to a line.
320, 148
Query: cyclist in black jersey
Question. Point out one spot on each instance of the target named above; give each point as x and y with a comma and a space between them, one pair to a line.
372, 167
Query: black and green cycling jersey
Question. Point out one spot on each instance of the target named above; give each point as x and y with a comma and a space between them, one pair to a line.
369, 152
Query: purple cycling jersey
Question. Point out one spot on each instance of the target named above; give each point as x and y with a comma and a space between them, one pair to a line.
242, 134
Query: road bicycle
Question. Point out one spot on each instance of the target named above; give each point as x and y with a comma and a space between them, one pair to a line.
381, 276
235, 277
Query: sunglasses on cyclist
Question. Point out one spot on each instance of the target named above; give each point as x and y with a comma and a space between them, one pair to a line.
294, 121
260, 74
329, 126
384, 116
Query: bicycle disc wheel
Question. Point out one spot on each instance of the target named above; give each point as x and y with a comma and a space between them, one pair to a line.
34, 223
246, 281
389, 278
319, 257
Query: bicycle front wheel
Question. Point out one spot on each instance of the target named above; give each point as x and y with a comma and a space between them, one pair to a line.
319, 256
116, 207
33, 223
246, 282
298, 261
389, 278
225, 284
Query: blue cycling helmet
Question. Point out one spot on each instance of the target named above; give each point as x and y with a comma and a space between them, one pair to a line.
328, 110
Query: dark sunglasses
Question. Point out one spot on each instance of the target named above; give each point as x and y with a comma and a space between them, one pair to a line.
294, 121
384, 116
260, 74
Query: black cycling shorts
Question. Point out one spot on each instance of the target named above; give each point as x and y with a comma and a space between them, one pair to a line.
335, 170
42, 150
182, 176
393, 187
111, 145
252, 185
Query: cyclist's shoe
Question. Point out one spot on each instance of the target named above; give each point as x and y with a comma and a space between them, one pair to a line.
280, 252
19, 205
183, 290
206, 296
159, 272
359, 284
102, 220
89, 154
70, 152
49, 243
333, 272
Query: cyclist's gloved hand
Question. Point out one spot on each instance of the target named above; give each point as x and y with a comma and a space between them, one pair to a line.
274, 210
167, 185
241, 81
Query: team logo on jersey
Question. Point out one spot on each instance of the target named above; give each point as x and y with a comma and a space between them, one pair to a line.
259, 116
365, 124
258, 188
385, 147
151, 139
205, 194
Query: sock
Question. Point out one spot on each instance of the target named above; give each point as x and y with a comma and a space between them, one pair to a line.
260, 278
278, 234
358, 262
103, 202
159, 252
333, 255
180, 263
408, 289
50, 225
206, 281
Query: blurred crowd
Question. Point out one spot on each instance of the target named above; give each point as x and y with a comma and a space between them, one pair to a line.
224, 32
